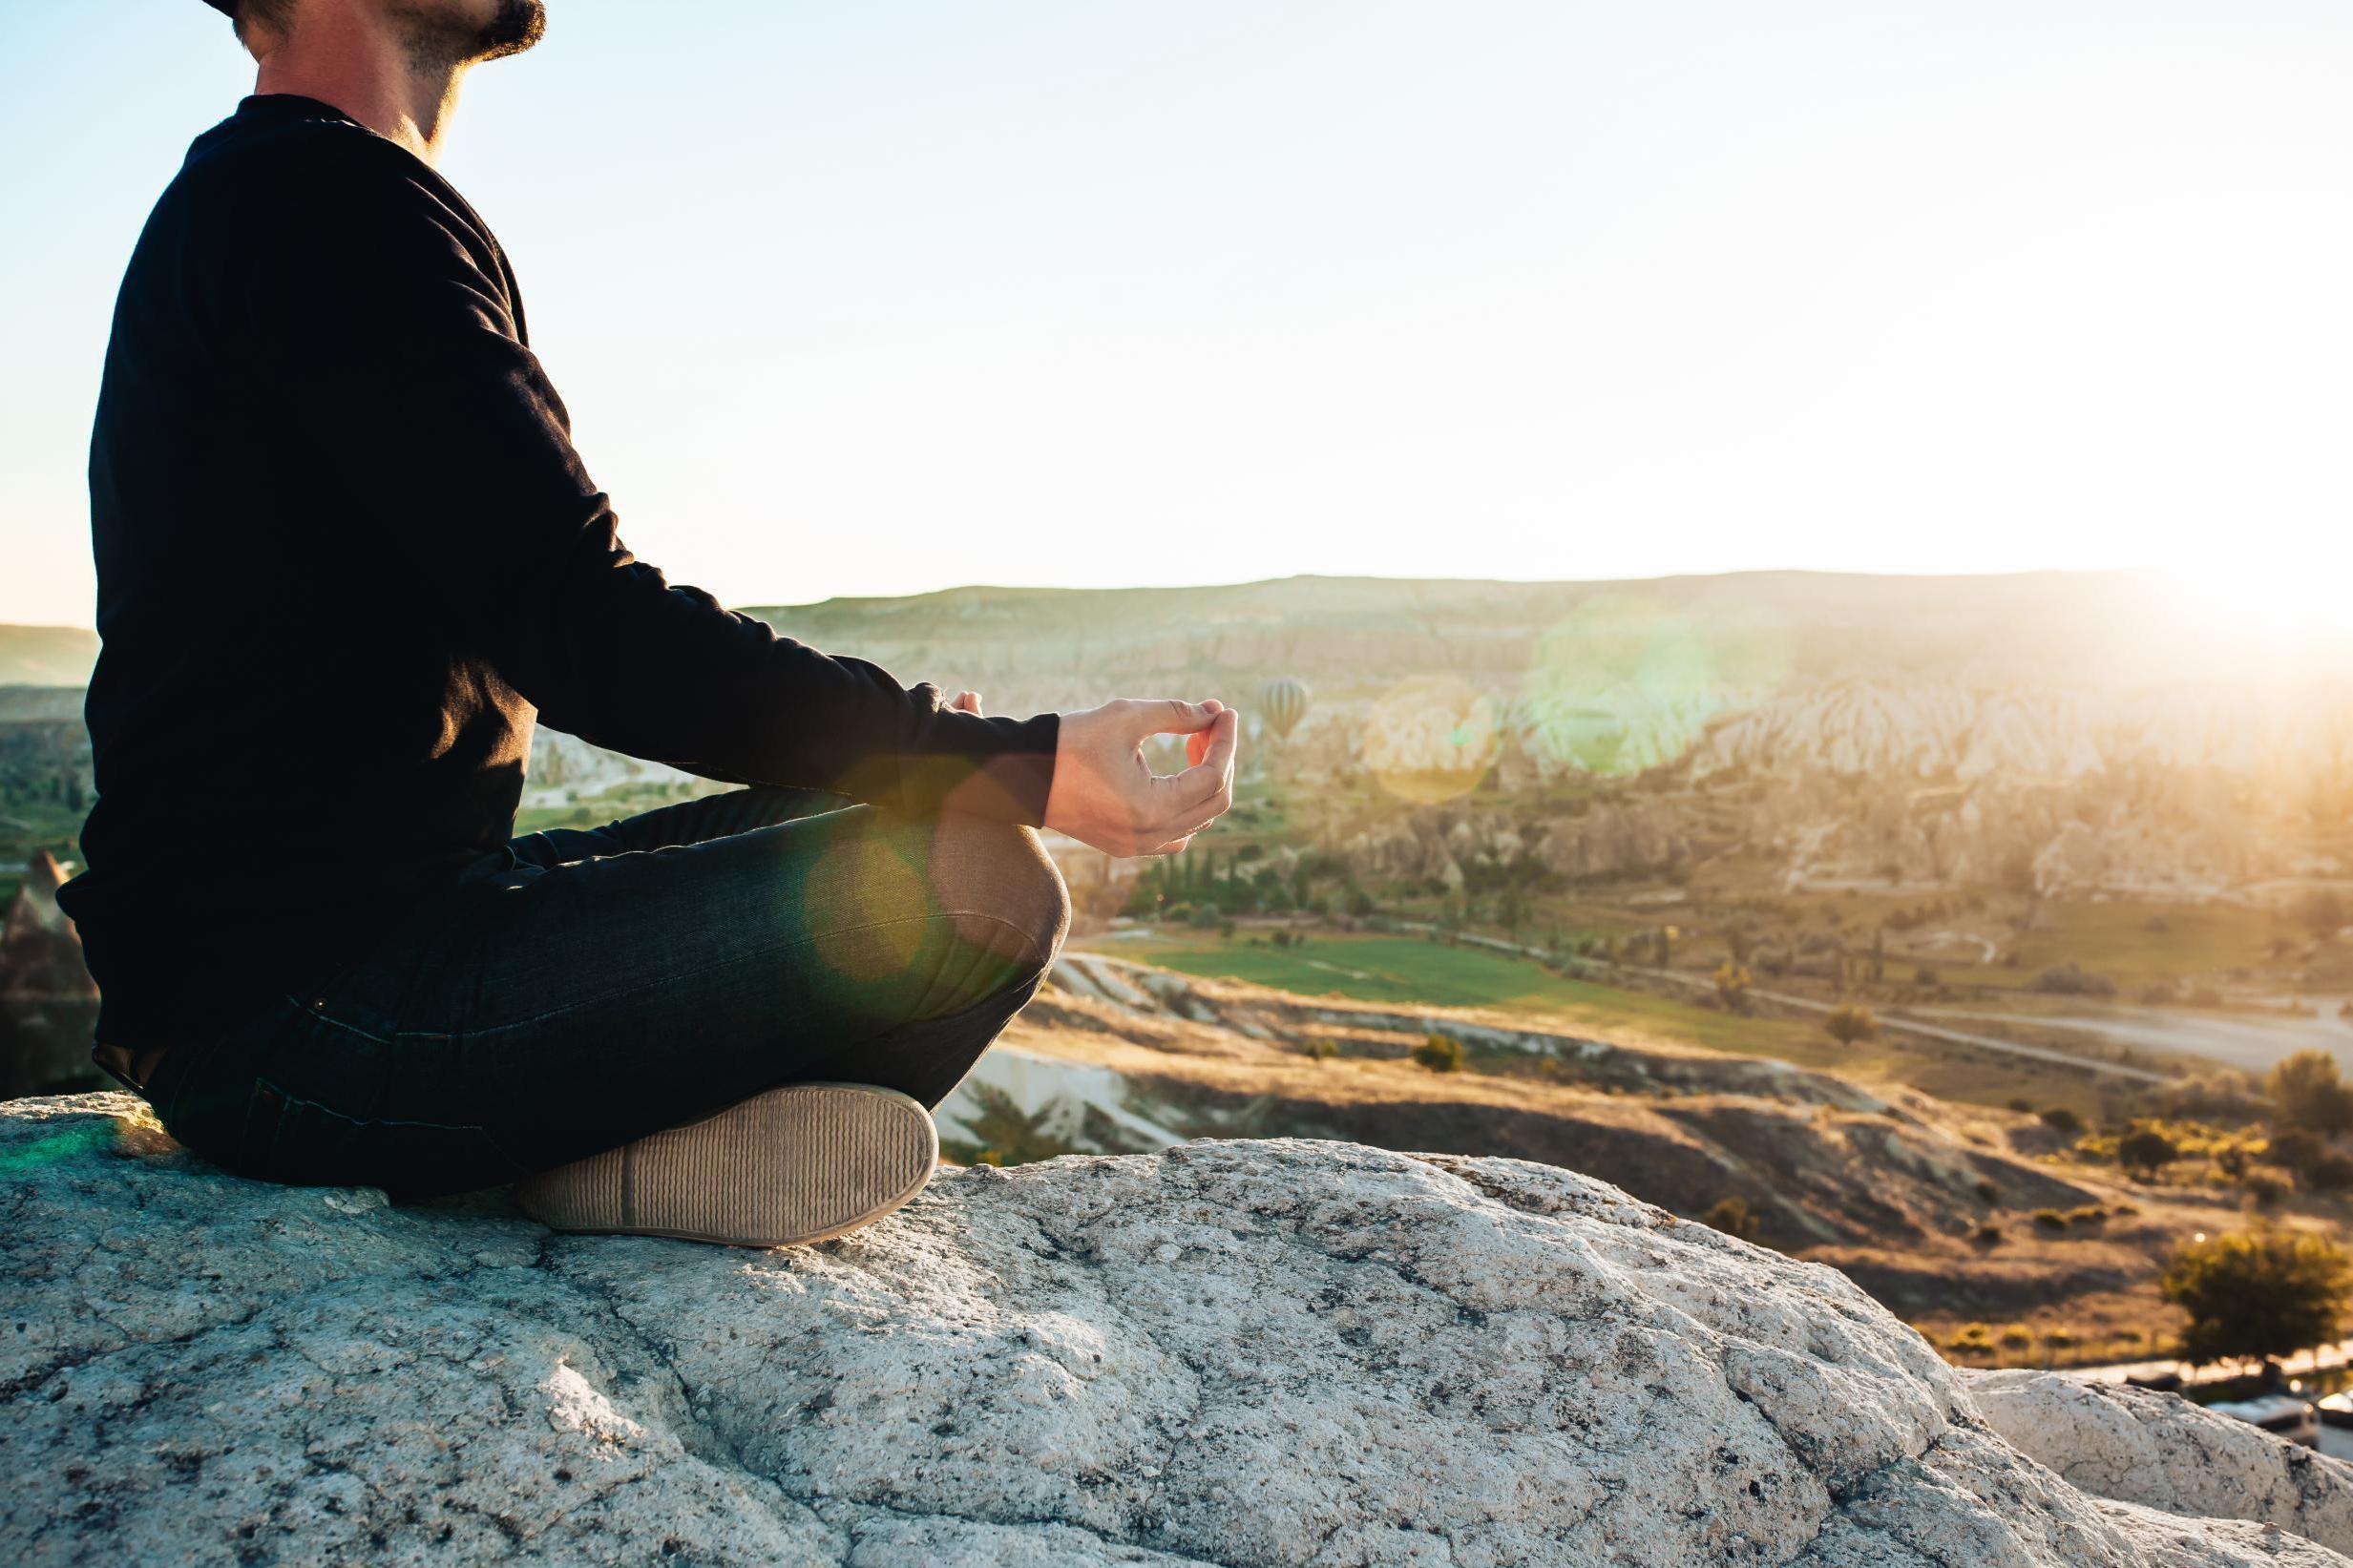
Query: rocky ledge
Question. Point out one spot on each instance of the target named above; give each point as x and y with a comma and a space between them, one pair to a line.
1279, 1352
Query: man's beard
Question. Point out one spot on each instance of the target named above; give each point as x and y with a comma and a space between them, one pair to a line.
436, 40
518, 25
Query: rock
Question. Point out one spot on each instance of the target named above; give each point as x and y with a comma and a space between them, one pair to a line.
2140, 1445
1281, 1352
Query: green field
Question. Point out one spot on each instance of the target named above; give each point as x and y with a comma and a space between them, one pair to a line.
1405, 970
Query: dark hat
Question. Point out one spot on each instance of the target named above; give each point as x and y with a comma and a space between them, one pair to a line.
226, 8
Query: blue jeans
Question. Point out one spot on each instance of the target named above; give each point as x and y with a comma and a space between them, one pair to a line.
579, 989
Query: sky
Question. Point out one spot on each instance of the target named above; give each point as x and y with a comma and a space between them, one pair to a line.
885, 298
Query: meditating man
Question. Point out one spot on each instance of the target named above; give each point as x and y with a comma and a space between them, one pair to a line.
347, 559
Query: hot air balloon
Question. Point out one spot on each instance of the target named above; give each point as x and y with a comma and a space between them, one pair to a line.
1282, 703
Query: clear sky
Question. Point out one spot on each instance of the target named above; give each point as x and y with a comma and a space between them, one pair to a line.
883, 297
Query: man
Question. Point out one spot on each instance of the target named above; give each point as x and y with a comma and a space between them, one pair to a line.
347, 557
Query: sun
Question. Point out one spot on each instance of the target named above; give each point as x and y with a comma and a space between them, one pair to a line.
2264, 600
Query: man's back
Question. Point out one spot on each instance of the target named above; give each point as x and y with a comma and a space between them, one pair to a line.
272, 671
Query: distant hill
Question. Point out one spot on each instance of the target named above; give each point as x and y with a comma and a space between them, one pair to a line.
1036, 647
2066, 720
46, 656
1053, 647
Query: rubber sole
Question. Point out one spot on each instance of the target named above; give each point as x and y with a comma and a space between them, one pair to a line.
793, 1165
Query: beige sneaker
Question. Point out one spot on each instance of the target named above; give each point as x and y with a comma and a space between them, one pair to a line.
795, 1164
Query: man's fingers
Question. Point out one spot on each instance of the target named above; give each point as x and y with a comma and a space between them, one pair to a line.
1200, 816
1215, 768
1166, 716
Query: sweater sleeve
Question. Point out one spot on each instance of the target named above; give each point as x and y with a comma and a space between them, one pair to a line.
434, 428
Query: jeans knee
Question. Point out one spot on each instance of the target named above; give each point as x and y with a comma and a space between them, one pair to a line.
1002, 871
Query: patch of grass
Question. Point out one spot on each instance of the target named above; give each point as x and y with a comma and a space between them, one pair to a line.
1408, 970
2115, 941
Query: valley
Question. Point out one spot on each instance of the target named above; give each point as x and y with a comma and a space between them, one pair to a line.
1862, 914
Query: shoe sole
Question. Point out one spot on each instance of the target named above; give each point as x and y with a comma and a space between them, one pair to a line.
796, 1164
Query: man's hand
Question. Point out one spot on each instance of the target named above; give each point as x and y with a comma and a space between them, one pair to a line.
1105, 794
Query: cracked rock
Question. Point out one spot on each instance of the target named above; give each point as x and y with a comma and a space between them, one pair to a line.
1243, 1353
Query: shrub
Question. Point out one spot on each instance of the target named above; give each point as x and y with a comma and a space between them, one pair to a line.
2266, 1189
1923, 975
2263, 1293
2332, 1172
2295, 1148
2049, 1219
2064, 1120
1322, 1048
2309, 1094
1439, 1054
2059, 1337
1734, 1217
2146, 1150
2023, 1107
1850, 1023
2088, 1214
1987, 1190
1988, 1234
2016, 1336
2069, 979
2226, 1098
1974, 1340
1731, 987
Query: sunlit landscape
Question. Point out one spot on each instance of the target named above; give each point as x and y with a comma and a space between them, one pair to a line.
1760, 972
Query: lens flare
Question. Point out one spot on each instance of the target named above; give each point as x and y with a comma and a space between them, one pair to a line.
1625, 683
1432, 738
872, 934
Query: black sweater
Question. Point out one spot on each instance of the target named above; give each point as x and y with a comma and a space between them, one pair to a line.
346, 555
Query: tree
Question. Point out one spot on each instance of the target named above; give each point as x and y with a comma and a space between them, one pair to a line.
1511, 912
1851, 1023
2306, 1091
1734, 1217
1731, 990
2064, 1120
2295, 1149
2254, 1293
2331, 1172
2146, 1150
1439, 1054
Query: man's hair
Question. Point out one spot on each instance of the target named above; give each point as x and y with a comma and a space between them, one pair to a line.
274, 14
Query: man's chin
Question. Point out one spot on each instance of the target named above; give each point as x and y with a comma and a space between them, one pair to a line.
518, 25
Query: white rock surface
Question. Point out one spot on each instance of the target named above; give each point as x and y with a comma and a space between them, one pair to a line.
2140, 1445
1079, 1105
1240, 1354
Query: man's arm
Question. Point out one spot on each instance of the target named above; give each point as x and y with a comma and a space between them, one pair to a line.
428, 415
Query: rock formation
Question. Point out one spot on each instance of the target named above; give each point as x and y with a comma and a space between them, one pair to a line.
1280, 1352
48, 1002
2144, 1447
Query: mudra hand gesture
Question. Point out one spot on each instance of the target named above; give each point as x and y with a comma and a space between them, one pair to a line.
1105, 794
